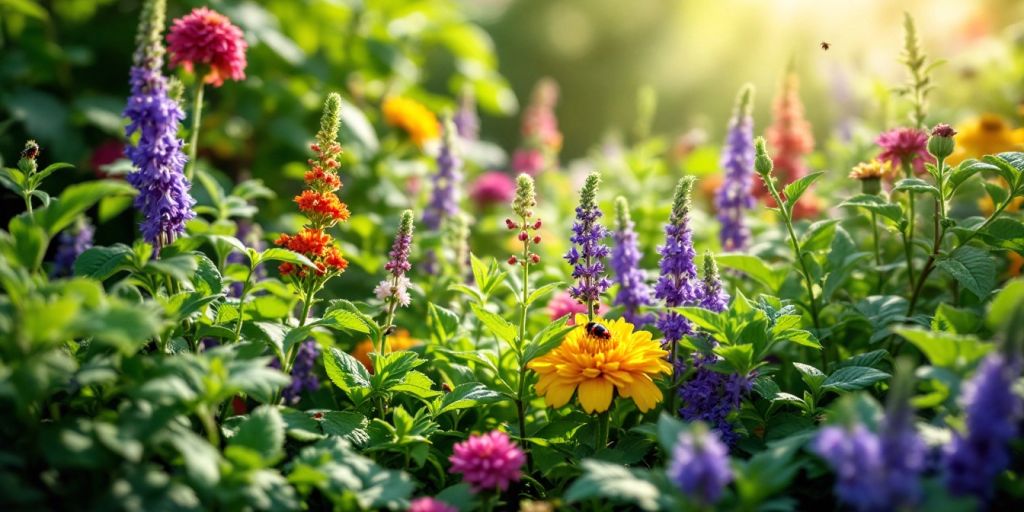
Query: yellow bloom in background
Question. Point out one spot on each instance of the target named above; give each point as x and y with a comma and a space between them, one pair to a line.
400, 340
989, 134
627, 362
873, 170
410, 115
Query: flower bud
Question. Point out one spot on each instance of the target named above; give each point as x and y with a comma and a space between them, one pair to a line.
536, 239
534, 258
512, 260
536, 225
523, 236
941, 143
511, 225
762, 162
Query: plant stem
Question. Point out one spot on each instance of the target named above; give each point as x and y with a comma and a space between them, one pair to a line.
521, 395
908, 236
601, 435
878, 252
197, 115
241, 304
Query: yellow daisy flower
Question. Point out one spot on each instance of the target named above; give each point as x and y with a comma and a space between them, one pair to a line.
626, 362
410, 115
873, 170
989, 134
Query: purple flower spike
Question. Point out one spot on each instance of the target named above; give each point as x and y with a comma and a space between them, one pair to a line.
735, 196
634, 292
677, 284
588, 250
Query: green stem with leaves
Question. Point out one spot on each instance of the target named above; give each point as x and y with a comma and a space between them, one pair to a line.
246, 287
878, 251
197, 115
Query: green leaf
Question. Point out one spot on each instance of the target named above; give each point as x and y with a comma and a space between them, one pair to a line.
818, 235
1005, 305
852, 378
945, 350
547, 339
754, 267
973, 268
443, 323
604, 480
915, 185
467, 395
181, 267
811, 376
279, 254
347, 373
739, 358
75, 200
794, 190
30, 242
891, 213
345, 424
417, 385
102, 262
389, 369
965, 170
1006, 233
496, 325
262, 435
542, 291
714, 323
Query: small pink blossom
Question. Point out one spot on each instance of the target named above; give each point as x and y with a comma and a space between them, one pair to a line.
563, 304
488, 461
206, 39
530, 161
908, 145
430, 505
493, 187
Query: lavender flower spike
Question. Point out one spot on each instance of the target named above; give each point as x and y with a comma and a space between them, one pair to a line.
588, 250
396, 288
714, 296
447, 183
163, 198
634, 291
994, 412
735, 195
700, 465
677, 284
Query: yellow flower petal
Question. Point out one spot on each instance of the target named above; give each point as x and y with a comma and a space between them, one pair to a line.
596, 395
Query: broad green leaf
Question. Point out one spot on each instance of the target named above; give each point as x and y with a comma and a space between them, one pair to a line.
965, 170
915, 185
852, 378
496, 325
262, 434
181, 267
754, 267
542, 291
75, 200
467, 395
347, 373
973, 268
811, 376
945, 350
279, 254
30, 242
606, 481
818, 235
417, 385
547, 339
345, 424
1005, 305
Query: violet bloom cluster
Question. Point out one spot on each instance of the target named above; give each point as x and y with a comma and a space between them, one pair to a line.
163, 199
304, 379
396, 287
735, 196
588, 250
70, 245
447, 183
634, 291
677, 283
488, 461
700, 465
994, 413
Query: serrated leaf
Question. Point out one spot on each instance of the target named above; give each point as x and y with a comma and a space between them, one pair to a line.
852, 378
347, 373
261, 433
496, 325
608, 481
811, 376
467, 395
973, 268
796, 189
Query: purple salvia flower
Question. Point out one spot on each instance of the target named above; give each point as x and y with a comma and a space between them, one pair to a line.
677, 284
163, 199
467, 122
700, 465
634, 291
711, 396
588, 250
713, 297
447, 183
994, 412
735, 195
70, 245
855, 455
396, 287
303, 377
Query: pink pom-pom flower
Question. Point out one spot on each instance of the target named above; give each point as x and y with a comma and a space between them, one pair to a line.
488, 461
563, 304
430, 505
493, 187
206, 39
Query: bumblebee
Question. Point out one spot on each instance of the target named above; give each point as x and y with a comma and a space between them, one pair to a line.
598, 331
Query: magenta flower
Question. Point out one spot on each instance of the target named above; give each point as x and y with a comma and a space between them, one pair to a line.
905, 146
488, 461
206, 39
493, 187
563, 304
430, 505
530, 161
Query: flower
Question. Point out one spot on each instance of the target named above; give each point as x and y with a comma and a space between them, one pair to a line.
872, 170
205, 38
467, 122
563, 304
588, 249
492, 188
627, 362
734, 196
994, 411
541, 138
71, 243
426, 504
700, 465
411, 116
321, 205
790, 135
163, 198
988, 134
712, 396
529, 161
398, 341
447, 183
634, 291
713, 296
396, 288
528, 225
677, 283
855, 455
905, 147
303, 377
488, 461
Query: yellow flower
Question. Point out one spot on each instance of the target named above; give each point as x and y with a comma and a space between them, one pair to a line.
627, 362
398, 341
987, 135
873, 170
410, 115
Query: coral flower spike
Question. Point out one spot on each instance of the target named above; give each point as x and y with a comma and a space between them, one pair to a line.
595, 367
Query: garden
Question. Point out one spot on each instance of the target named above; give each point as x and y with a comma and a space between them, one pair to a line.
443, 256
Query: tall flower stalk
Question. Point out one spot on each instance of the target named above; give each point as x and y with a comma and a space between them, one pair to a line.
870, 175
163, 199
446, 191
634, 292
527, 225
588, 250
323, 209
735, 197
677, 284
394, 290
790, 134
764, 166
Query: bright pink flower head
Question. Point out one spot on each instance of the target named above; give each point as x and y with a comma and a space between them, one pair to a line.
488, 461
563, 304
530, 161
205, 37
492, 187
430, 505
905, 145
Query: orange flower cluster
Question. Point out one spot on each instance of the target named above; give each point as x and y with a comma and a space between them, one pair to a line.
320, 203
